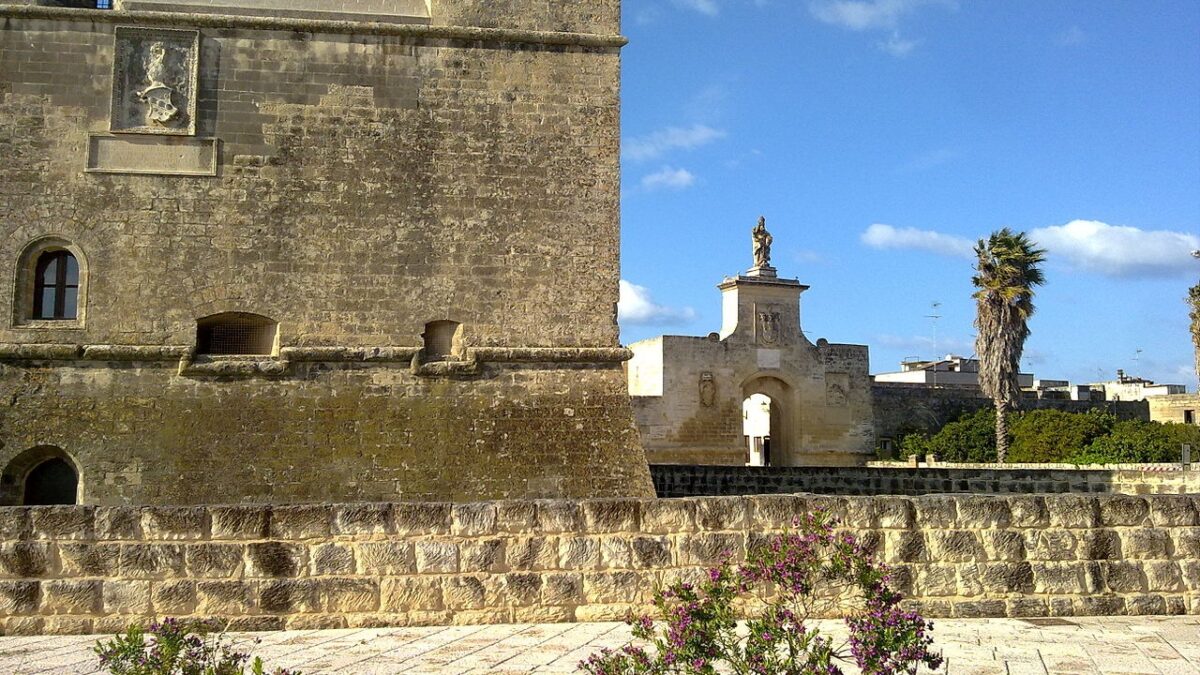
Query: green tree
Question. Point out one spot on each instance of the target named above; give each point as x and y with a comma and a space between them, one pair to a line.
1006, 272
1138, 441
970, 438
1054, 435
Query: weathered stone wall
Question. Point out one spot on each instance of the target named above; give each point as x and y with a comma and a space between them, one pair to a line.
96, 569
1180, 408
696, 481
902, 409
370, 179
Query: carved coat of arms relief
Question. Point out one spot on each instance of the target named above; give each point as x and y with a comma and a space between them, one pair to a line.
154, 81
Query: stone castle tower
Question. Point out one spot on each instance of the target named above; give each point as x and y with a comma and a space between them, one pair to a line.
307, 250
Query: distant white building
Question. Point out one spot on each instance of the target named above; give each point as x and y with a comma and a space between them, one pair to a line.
948, 372
1130, 388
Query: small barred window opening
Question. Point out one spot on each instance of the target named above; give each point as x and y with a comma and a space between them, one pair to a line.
443, 340
235, 333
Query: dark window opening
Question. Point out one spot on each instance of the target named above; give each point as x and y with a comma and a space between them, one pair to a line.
235, 333
1189, 416
51, 482
442, 340
56, 286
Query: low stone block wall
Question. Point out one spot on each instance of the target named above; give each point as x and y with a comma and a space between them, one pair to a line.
96, 569
677, 480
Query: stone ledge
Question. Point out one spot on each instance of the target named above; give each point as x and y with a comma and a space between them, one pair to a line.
414, 31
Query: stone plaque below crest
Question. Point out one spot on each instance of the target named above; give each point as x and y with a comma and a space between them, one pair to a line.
162, 155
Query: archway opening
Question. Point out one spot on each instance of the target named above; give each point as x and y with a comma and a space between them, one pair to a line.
54, 481
767, 429
757, 416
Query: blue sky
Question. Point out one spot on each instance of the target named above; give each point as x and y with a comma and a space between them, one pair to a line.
881, 138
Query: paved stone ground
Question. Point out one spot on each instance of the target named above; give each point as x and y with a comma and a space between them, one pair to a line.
978, 647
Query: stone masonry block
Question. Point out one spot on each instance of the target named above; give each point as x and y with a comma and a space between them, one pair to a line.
516, 517
983, 513
464, 592
1191, 574
1016, 577
970, 579
275, 559
1163, 575
338, 558
301, 521
481, 555
522, 589
118, 523
15, 523
530, 554
556, 516
26, 625
288, 596
651, 552
601, 516
774, 512
89, 560
894, 513
385, 559
669, 516
1028, 511
1173, 511
126, 597
850, 512
342, 594
151, 561
1123, 510
1057, 578
1050, 544
936, 512
63, 522
615, 552
174, 522
562, 588
1124, 576
979, 609
1102, 605
417, 518
405, 594
1100, 545
26, 558
362, 520
1072, 511
710, 549
173, 598
956, 546
214, 560
436, 557
722, 513
256, 623
615, 587
71, 596
19, 597
316, 622
902, 546
578, 553
1145, 543
225, 598
68, 625
240, 522
1187, 541
473, 520
1003, 545
1143, 605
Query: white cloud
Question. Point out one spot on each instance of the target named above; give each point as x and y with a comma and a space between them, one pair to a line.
656, 144
666, 177
885, 236
898, 46
1119, 250
706, 7
637, 307
863, 15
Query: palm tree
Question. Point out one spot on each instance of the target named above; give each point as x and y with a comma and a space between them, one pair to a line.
1006, 272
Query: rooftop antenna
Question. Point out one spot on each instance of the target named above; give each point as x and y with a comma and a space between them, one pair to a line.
936, 355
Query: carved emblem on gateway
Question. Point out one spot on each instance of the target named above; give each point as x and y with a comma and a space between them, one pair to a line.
768, 327
154, 81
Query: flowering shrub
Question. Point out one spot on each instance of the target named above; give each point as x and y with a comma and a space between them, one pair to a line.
176, 648
799, 575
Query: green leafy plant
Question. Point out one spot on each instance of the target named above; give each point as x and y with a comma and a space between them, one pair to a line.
173, 647
1137, 441
795, 577
1054, 435
970, 438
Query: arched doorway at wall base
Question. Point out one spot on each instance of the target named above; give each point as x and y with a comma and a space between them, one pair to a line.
40, 476
777, 447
